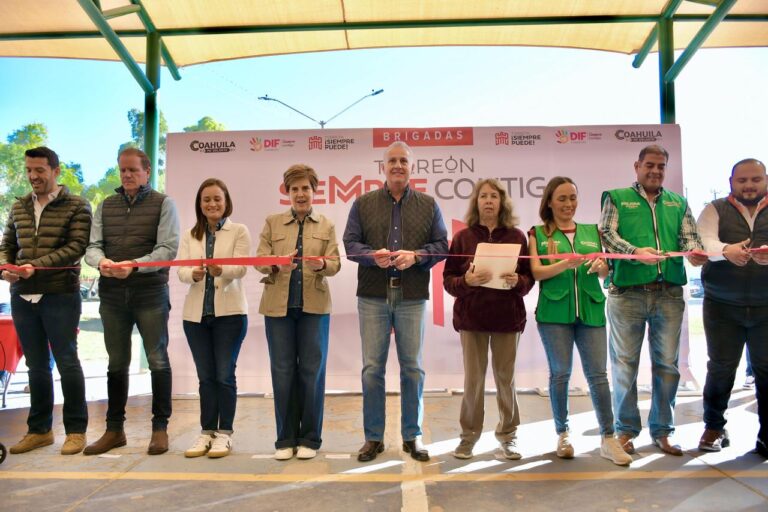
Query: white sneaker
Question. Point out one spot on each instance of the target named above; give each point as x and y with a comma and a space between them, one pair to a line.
285, 453
221, 447
749, 382
305, 452
564, 446
201, 446
611, 449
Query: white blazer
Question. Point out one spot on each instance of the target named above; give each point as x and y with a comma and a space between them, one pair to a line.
232, 241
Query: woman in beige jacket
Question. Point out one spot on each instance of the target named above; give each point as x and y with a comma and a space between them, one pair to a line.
215, 313
296, 304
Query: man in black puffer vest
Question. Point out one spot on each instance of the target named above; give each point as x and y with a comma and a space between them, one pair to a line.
140, 225
48, 228
735, 309
396, 235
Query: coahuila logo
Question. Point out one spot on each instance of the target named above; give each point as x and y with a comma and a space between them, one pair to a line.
212, 147
638, 135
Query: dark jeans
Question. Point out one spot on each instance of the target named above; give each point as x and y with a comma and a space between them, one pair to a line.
727, 328
147, 308
298, 349
215, 344
52, 321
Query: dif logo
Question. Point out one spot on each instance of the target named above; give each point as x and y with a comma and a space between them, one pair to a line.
565, 136
258, 144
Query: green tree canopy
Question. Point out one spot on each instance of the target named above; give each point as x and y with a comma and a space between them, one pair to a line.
206, 124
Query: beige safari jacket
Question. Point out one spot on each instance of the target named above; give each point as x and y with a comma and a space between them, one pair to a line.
278, 238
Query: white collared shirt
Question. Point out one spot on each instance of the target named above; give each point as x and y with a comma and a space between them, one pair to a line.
34, 298
709, 226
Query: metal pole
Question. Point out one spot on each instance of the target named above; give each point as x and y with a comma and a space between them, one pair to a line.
666, 59
151, 112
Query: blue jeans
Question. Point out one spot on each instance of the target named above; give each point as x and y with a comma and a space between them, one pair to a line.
558, 340
52, 321
629, 311
727, 327
298, 351
377, 319
147, 308
215, 344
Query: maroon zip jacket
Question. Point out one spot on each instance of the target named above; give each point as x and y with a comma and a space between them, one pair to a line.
486, 309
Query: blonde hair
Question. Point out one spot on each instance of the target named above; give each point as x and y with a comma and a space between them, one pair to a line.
507, 217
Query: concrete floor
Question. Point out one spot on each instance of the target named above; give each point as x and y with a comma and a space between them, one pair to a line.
249, 479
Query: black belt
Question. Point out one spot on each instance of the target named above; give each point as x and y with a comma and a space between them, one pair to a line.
394, 282
651, 287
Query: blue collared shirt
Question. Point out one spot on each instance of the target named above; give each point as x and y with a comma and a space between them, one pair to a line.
210, 243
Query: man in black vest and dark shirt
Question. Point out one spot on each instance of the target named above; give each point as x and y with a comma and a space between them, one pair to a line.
396, 235
735, 307
137, 224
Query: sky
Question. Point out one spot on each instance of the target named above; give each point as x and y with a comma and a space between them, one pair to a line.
721, 99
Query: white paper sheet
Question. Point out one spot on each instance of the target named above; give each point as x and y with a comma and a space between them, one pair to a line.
499, 259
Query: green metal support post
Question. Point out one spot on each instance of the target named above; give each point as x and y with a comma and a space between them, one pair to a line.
151, 112
666, 60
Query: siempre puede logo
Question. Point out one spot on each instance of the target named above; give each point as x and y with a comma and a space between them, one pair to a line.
330, 143
638, 135
516, 138
463, 136
224, 146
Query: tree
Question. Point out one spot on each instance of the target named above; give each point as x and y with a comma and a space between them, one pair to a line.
136, 120
13, 179
206, 124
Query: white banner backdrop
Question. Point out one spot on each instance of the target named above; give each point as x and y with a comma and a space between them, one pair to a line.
447, 161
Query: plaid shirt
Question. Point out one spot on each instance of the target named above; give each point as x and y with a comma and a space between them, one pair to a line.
687, 239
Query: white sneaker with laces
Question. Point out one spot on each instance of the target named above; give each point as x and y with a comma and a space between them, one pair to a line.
285, 453
611, 449
221, 446
305, 452
564, 446
201, 446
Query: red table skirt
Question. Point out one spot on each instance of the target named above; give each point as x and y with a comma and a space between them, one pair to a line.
11, 348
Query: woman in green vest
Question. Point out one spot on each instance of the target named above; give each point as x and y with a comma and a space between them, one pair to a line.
571, 311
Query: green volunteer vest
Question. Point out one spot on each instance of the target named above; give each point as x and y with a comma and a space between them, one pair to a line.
636, 226
557, 295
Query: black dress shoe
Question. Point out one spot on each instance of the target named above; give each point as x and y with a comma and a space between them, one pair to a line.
416, 449
370, 450
761, 448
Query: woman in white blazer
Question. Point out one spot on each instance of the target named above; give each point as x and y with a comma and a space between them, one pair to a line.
215, 313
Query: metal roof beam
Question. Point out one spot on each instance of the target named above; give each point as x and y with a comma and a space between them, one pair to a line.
646, 47
113, 39
698, 40
120, 11
150, 26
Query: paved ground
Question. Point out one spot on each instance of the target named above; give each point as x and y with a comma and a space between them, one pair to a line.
249, 479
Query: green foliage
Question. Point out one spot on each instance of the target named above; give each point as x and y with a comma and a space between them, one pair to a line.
206, 124
13, 178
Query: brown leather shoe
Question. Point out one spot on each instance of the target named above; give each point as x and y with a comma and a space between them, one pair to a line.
663, 444
714, 440
159, 442
110, 439
31, 441
625, 440
370, 450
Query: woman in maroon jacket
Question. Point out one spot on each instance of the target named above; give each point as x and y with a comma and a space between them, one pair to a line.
488, 317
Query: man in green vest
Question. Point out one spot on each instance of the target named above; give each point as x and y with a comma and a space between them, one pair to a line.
648, 221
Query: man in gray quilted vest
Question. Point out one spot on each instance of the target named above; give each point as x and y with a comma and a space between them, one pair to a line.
396, 235
135, 225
